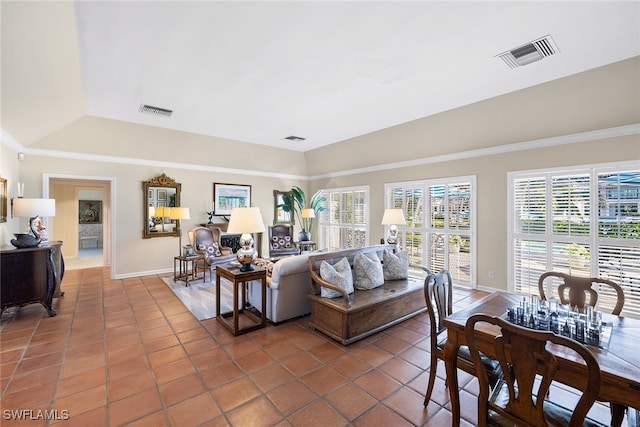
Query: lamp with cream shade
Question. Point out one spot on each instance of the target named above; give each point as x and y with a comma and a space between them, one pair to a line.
162, 212
307, 215
179, 213
32, 209
393, 218
246, 221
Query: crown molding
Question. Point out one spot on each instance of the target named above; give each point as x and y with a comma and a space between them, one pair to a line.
619, 131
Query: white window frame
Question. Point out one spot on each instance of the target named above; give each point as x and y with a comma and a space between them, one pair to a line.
593, 241
425, 229
324, 219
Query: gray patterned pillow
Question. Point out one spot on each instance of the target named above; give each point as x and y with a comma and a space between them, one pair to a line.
367, 271
338, 274
395, 266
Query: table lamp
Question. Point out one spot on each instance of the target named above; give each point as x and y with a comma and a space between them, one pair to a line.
393, 217
246, 221
179, 213
307, 215
32, 209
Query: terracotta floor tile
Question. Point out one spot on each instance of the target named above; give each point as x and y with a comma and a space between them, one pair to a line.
327, 352
210, 357
181, 389
236, 393
350, 366
84, 400
134, 408
95, 418
271, 377
410, 404
319, 413
400, 370
128, 367
323, 380
128, 352
377, 384
194, 411
259, 412
350, 401
373, 355
301, 363
291, 397
86, 380
381, 416
130, 385
221, 374
174, 370
254, 361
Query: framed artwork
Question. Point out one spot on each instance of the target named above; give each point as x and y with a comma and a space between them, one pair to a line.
3, 200
283, 207
90, 211
229, 196
162, 195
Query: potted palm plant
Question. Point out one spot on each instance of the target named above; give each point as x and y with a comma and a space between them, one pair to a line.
299, 204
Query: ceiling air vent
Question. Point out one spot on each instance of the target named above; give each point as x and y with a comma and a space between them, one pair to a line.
530, 52
295, 138
150, 109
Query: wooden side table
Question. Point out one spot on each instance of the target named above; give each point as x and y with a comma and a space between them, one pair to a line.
181, 270
251, 318
306, 245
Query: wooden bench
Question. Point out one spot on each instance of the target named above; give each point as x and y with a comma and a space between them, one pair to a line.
352, 317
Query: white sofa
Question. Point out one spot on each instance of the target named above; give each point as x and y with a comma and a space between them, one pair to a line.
288, 289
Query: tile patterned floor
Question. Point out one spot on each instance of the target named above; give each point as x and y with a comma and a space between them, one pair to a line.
127, 352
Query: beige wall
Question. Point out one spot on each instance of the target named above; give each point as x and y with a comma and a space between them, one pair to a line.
597, 100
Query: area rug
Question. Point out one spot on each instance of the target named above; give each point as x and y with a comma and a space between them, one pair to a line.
200, 297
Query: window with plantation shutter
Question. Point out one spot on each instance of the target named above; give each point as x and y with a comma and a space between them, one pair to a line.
440, 228
584, 222
344, 223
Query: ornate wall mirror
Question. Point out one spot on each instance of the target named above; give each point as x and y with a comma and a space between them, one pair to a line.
283, 207
158, 196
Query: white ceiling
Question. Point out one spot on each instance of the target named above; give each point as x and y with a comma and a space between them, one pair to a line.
327, 71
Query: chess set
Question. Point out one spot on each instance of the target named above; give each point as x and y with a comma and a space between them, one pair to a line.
585, 326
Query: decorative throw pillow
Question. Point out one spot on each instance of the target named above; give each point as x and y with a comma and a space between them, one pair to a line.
210, 251
266, 264
367, 271
338, 274
280, 242
395, 266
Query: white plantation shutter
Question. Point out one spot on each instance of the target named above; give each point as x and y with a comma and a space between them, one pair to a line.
436, 210
344, 224
596, 210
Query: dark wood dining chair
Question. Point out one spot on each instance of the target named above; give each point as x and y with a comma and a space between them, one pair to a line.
578, 291
529, 369
438, 292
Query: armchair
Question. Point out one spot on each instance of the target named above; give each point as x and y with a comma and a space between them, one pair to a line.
206, 242
281, 241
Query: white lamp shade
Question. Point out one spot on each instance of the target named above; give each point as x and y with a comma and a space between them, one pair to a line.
308, 213
393, 217
246, 220
179, 213
34, 207
152, 211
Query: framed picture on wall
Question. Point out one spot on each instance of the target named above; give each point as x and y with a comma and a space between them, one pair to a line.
90, 212
229, 196
3, 200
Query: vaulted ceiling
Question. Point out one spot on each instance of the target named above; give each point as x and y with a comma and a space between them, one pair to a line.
262, 71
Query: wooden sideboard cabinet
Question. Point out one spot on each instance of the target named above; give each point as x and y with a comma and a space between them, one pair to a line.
31, 275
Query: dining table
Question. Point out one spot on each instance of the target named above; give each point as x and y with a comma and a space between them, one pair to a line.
619, 360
